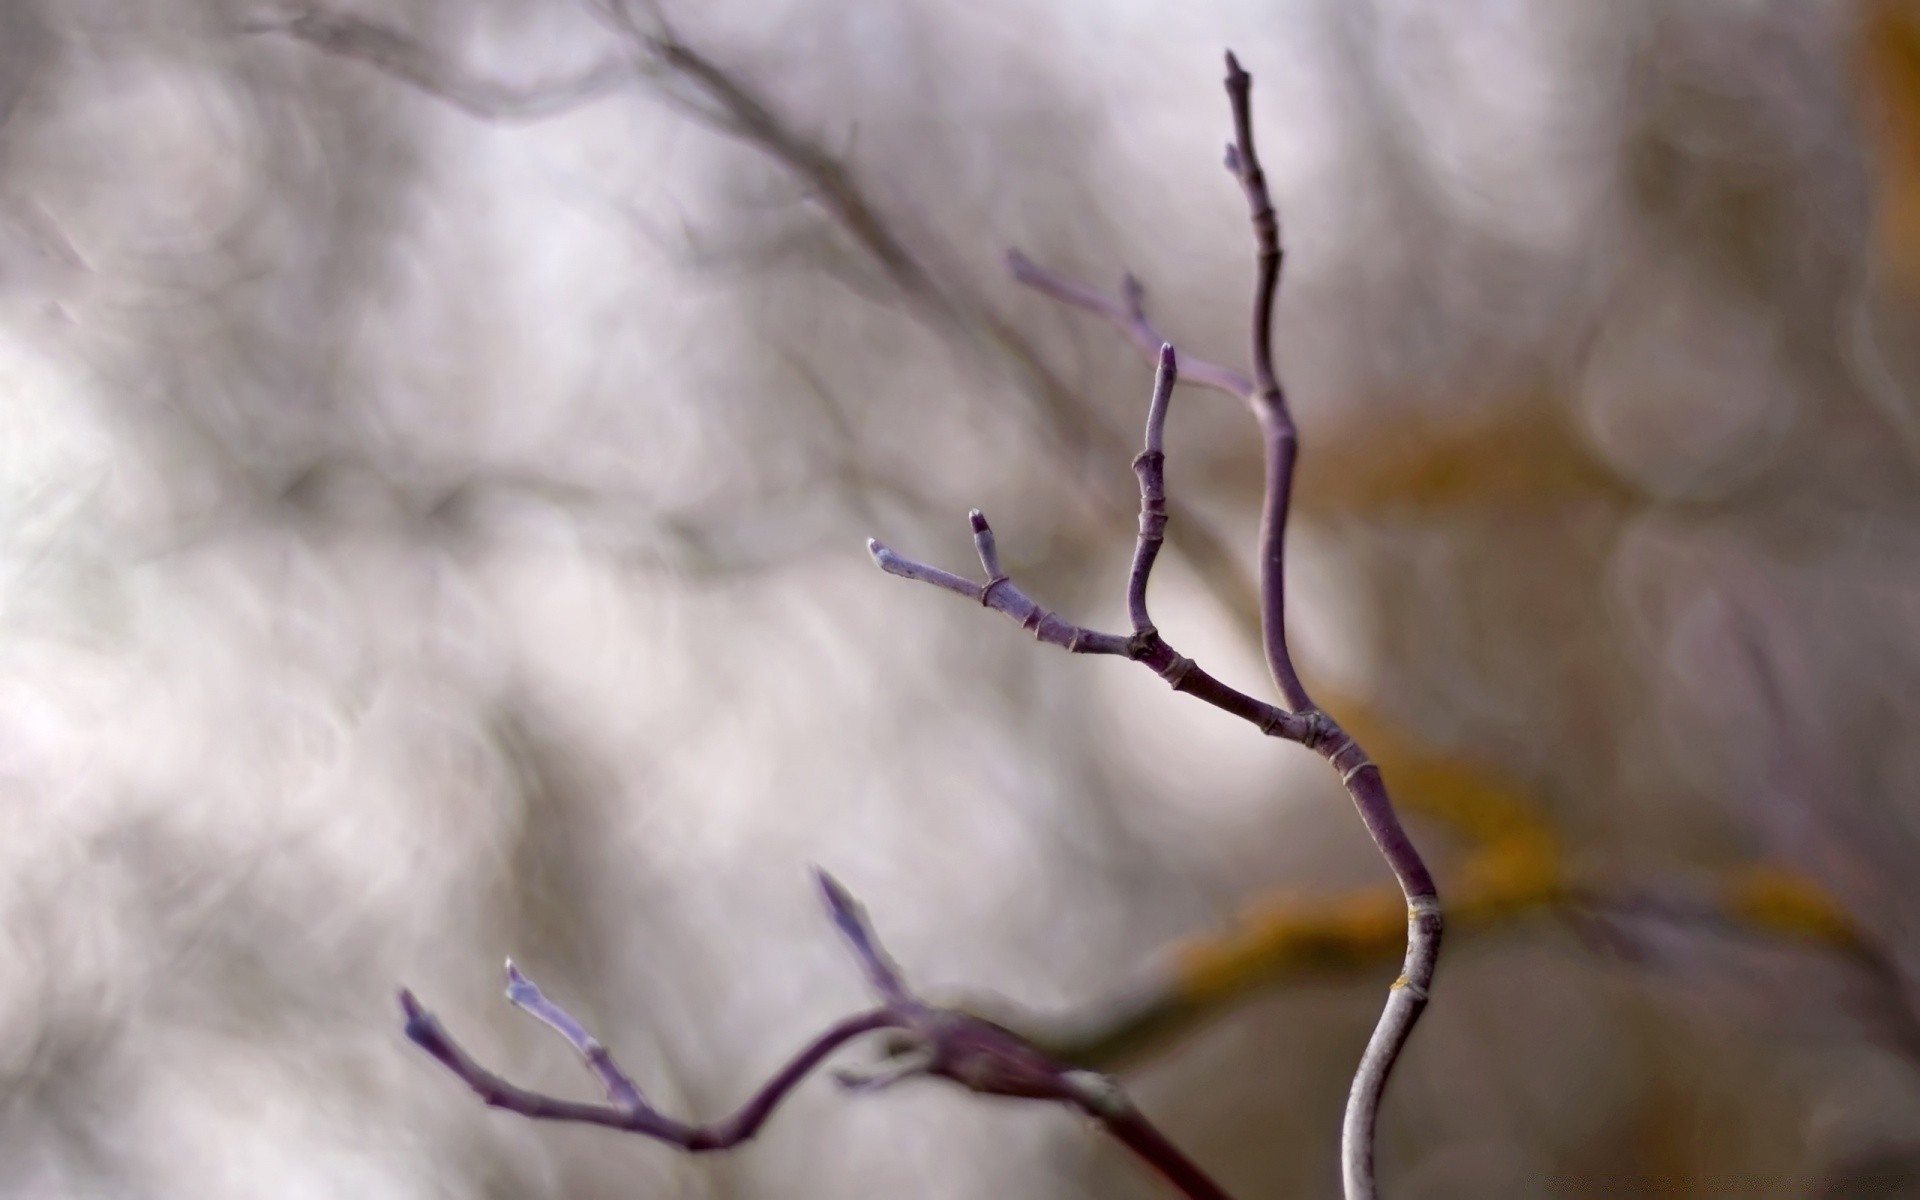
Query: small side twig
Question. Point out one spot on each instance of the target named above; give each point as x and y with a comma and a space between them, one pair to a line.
946, 1043
1128, 314
1145, 644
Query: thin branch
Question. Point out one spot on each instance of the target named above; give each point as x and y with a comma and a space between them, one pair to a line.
1408, 997
1101, 1099
1300, 720
850, 918
1128, 314
620, 1088
1269, 402
1150, 467
945, 1043
1145, 644
388, 50
425, 1030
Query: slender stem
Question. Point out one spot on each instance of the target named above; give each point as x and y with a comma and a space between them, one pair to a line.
1139, 1135
526, 996
1150, 467
426, 1032
1146, 646
1269, 402
850, 918
1408, 997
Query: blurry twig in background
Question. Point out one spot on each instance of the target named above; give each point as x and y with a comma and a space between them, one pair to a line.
719, 99
976, 1054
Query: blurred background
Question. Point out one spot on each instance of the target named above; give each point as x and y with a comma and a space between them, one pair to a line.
439, 440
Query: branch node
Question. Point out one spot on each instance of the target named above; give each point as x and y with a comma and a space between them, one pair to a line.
1142, 642
1098, 1094
1175, 672
986, 590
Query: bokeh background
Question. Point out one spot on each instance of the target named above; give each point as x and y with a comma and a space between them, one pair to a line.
436, 461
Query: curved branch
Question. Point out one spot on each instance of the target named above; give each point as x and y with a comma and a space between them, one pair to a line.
1408, 997
977, 1054
627, 1111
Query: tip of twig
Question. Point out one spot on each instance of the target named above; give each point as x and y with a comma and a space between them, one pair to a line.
420, 1026
1234, 70
1168, 362
978, 520
883, 558
520, 989
1019, 264
841, 905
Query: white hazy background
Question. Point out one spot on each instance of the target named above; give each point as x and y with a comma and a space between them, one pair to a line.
426, 539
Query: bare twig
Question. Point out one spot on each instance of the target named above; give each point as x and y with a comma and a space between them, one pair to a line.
1145, 644
953, 1045
426, 1032
1300, 720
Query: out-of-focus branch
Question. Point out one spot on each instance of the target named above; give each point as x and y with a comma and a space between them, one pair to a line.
394, 53
976, 1054
723, 101
1127, 313
1287, 938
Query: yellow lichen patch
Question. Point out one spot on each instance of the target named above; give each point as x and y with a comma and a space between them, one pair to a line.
1508, 877
1360, 927
1889, 71
1523, 456
1774, 900
1473, 798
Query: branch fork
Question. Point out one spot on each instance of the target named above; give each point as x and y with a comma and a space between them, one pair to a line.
1296, 718
925, 1040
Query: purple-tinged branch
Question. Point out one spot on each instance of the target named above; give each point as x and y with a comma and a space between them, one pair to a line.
1144, 645
1128, 314
527, 997
1303, 721
850, 918
1000, 594
1408, 997
425, 1030
974, 1053
1151, 468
